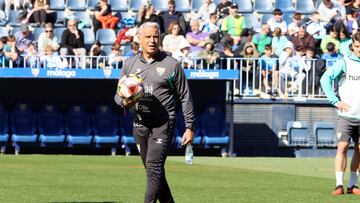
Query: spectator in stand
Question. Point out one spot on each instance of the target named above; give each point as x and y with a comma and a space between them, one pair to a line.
278, 42
2, 44
345, 41
315, 27
40, 10
312, 66
196, 38
233, 24
52, 59
173, 15
96, 54
17, 4
294, 27
172, 40
209, 55
297, 72
249, 67
331, 56
331, 11
72, 42
10, 51
262, 39
205, 10
135, 49
147, 14
48, 38
352, 13
30, 56
223, 8
277, 21
268, 67
183, 54
23, 37
303, 39
115, 58
104, 16
332, 37
212, 28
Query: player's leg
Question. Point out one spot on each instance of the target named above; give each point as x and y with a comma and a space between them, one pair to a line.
355, 164
158, 145
343, 136
141, 135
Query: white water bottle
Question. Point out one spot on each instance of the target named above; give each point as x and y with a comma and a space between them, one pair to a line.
189, 155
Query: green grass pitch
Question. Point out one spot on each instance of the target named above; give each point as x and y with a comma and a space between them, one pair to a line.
59, 178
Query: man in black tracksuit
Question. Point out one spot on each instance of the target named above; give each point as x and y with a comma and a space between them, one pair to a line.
155, 112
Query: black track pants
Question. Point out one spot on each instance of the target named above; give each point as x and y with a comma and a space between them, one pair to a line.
154, 144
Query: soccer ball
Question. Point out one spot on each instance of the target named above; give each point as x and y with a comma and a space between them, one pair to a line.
131, 87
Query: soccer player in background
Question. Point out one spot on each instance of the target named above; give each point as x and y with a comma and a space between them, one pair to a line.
154, 122
347, 70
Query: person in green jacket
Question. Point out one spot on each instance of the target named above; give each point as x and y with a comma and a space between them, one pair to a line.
347, 71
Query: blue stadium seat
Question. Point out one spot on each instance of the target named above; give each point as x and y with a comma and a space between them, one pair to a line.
126, 130
244, 6
182, 6
106, 36
180, 129
91, 4
37, 32
89, 36
12, 21
23, 126
51, 125
60, 19
58, 5
119, 5
4, 128
297, 133
105, 125
58, 33
78, 125
3, 20
251, 20
76, 5
196, 4
287, 17
263, 6
213, 129
284, 5
160, 5
83, 18
135, 5
325, 134
15, 30
265, 18
106, 49
305, 6
3, 32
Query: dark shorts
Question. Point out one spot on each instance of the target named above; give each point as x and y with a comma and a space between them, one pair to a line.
347, 129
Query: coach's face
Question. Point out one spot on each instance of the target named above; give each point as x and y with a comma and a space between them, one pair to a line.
149, 40
356, 47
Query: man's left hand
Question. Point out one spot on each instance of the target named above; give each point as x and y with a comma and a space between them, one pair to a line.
188, 137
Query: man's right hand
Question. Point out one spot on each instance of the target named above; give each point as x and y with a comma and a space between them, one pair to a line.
129, 102
342, 106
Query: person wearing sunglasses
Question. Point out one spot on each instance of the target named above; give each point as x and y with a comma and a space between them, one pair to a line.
48, 38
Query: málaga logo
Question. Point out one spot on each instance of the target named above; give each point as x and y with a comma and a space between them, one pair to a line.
35, 71
107, 71
160, 71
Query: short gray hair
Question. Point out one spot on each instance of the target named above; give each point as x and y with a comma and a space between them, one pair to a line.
148, 24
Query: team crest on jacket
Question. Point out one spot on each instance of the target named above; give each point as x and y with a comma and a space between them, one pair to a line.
160, 71
107, 71
35, 71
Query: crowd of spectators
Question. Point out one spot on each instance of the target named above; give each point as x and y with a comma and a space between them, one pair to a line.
212, 33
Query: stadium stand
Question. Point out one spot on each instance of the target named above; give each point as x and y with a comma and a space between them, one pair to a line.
126, 129
160, 5
91, 4
297, 133
196, 4
305, 6
105, 126
182, 6
284, 5
83, 17
37, 32
213, 128
76, 5
12, 21
51, 125
23, 125
60, 19
90, 37
325, 134
251, 21
135, 5
58, 5
106, 36
263, 6
119, 5
2, 18
78, 125
4, 129
3, 32
245, 6
58, 33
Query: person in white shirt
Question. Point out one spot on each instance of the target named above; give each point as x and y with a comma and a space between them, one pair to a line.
171, 41
294, 27
48, 38
315, 27
205, 10
277, 21
331, 10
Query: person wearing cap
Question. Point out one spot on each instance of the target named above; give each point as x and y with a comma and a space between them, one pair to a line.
233, 24
209, 54
23, 37
277, 21
182, 54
